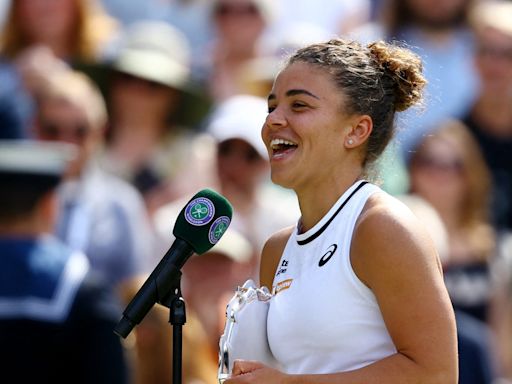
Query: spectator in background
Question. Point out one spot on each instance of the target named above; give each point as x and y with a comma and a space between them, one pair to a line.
477, 363
211, 279
438, 31
56, 318
13, 119
147, 145
240, 172
502, 316
35, 33
447, 169
240, 26
490, 117
257, 75
101, 215
191, 17
74, 30
337, 17
4, 7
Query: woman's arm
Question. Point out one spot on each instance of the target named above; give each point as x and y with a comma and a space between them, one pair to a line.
392, 254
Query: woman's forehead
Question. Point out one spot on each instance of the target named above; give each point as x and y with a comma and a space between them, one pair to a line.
303, 76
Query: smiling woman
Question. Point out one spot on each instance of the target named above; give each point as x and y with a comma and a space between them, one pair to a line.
365, 300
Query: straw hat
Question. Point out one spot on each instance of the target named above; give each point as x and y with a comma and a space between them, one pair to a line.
155, 51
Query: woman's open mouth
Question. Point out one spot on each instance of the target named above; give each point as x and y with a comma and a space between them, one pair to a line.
282, 147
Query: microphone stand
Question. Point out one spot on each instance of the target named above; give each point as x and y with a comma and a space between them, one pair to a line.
163, 287
177, 318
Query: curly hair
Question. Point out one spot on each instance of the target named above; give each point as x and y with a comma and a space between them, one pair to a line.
378, 80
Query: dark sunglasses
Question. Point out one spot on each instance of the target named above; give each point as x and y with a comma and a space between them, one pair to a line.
495, 52
56, 131
428, 162
230, 148
224, 9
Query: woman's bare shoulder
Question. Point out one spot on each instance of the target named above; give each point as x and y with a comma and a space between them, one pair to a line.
388, 233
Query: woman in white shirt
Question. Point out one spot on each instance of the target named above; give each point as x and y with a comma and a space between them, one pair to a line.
358, 289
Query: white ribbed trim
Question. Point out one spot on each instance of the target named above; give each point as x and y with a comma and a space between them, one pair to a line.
57, 308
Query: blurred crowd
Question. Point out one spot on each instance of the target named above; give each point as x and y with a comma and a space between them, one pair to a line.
163, 98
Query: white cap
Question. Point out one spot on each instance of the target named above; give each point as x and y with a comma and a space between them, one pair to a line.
495, 14
30, 157
240, 117
234, 246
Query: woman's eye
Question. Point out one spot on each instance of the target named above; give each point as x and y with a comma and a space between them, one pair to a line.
298, 105
271, 108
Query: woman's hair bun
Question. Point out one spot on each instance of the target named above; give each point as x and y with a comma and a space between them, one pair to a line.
405, 69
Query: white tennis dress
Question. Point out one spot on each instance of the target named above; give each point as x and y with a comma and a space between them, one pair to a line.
323, 319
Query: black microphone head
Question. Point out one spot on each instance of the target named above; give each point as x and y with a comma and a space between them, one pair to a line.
203, 220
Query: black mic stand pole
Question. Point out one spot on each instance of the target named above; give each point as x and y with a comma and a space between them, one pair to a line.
177, 318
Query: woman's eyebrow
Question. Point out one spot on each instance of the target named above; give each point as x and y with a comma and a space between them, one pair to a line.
293, 92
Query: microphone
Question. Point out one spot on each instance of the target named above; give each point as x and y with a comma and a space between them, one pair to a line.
199, 226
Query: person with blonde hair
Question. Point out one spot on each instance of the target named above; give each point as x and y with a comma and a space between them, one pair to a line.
490, 116
448, 170
358, 294
74, 30
39, 38
102, 215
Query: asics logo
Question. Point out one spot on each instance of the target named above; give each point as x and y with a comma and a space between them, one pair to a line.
327, 255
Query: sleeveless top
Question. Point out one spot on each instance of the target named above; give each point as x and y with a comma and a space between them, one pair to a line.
322, 318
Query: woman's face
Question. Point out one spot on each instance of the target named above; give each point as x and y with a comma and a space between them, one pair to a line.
133, 96
63, 121
46, 20
305, 129
238, 22
494, 60
436, 13
437, 173
239, 166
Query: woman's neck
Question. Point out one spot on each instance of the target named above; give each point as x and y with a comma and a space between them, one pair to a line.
316, 201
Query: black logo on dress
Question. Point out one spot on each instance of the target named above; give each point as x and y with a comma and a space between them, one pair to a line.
327, 255
282, 267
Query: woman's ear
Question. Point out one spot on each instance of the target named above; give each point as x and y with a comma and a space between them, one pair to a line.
358, 131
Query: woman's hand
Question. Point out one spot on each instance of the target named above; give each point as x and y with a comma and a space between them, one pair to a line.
245, 371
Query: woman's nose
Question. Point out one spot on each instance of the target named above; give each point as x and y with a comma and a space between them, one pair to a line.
275, 119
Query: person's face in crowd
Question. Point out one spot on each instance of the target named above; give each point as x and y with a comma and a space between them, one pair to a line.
46, 20
60, 120
134, 96
438, 173
239, 166
238, 22
304, 130
436, 13
494, 60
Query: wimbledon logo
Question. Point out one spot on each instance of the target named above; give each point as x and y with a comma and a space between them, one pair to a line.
199, 211
218, 228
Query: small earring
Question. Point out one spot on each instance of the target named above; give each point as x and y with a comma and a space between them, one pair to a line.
350, 141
